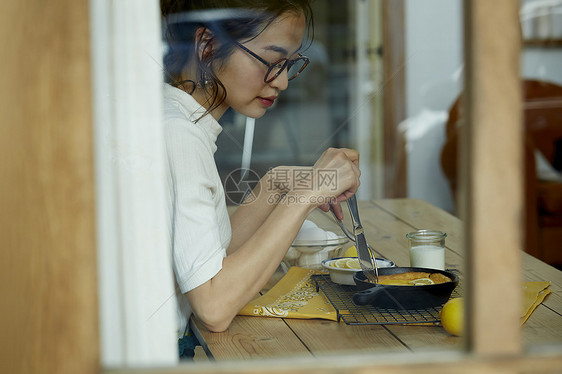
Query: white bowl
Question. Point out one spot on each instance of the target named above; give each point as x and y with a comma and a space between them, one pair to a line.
312, 239
310, 254
313, 246
345, 275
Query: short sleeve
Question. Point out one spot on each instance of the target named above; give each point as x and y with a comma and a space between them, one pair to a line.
196, 191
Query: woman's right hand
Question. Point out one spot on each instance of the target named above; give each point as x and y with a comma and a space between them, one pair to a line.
333, 178
336, 175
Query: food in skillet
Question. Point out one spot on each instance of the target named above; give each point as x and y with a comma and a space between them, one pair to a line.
413, 278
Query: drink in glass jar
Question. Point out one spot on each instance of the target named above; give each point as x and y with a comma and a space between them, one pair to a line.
427, 249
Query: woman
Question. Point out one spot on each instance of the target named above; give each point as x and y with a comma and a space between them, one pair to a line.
242, 58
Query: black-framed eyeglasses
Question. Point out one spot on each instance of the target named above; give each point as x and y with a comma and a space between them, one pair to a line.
294, 67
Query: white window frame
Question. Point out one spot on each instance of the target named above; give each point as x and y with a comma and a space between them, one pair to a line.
137, 302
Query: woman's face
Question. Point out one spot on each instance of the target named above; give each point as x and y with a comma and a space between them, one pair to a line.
243, 75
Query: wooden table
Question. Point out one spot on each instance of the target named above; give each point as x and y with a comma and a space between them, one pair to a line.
386, 223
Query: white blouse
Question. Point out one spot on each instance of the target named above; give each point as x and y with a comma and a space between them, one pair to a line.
199, 222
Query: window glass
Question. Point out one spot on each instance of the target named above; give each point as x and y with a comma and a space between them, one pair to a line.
387, 80
541, 76
311, 115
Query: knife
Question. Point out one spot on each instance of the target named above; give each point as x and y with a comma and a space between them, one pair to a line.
366, 261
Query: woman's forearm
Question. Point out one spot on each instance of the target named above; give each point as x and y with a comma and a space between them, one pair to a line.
259, 243
247, 270
249, 216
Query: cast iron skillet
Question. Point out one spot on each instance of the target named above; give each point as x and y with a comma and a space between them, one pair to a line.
403, 297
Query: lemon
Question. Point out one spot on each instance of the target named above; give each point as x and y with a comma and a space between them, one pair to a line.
350, 252
353, 263
452, 316
340, 263
346, 263
421, 282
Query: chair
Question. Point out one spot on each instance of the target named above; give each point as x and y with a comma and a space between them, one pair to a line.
543, 198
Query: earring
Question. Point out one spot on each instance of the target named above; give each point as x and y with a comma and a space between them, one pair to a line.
205, 82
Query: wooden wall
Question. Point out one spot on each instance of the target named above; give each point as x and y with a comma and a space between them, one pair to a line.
47, 234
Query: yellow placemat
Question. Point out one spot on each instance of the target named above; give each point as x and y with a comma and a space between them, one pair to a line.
294, 296
533, 294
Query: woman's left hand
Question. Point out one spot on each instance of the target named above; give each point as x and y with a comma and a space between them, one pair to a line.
338, 211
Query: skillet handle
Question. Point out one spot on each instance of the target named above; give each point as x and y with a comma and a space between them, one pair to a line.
367, 296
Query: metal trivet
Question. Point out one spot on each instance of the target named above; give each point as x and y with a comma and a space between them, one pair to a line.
341, 297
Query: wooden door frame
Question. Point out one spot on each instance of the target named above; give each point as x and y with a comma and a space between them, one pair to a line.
49, 313
47, 220
491, 183
394, 98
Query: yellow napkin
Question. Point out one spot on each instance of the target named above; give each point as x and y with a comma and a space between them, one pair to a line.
533, 294
294, 296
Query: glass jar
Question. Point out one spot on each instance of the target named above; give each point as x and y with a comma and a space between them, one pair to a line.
427, 249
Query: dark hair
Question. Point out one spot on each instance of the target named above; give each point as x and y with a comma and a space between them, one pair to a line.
228, 21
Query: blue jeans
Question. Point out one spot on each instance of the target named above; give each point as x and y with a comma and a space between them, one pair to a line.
186, 346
